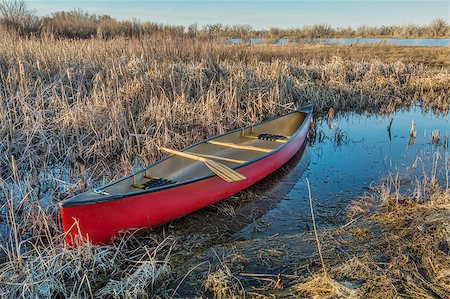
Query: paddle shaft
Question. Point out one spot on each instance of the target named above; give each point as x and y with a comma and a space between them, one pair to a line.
227, 174
217, 158
238, 146
182, 154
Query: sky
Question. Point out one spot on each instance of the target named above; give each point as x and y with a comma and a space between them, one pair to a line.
259, 14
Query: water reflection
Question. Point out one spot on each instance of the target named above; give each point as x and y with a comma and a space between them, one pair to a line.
349, 154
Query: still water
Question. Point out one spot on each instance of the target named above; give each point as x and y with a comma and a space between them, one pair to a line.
441, 42
350, 154
425, 42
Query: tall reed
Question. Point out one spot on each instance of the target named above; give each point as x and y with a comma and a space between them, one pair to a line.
87, 102
74, 112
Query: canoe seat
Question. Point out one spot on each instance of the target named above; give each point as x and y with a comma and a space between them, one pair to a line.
154, 183
271, 137
268, 137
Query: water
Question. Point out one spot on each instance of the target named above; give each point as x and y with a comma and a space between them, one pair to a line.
349, 154
425, 42
341, 169
257, 40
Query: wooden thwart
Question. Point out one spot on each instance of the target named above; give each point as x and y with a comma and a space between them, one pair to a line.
218, 158
243, 147
224, 172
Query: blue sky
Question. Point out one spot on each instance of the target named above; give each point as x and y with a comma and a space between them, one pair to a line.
260, 14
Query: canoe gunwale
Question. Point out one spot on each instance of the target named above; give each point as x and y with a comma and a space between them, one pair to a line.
106, 198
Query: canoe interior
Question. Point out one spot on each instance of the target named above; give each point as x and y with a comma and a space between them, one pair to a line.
180, 169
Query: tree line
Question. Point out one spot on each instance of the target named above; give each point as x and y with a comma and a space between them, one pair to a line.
78, 24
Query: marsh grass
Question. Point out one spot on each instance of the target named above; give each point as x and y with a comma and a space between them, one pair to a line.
36, 263
75, 113
222, 283
397, 248
81, 103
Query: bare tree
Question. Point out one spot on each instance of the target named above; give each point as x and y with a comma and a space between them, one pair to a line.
192, 30
14, 14
439, 27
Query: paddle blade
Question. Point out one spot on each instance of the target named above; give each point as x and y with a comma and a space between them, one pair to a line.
224, 172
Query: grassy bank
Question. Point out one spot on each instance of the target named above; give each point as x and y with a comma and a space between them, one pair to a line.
398, 250
76, 112
434, 57
392, 245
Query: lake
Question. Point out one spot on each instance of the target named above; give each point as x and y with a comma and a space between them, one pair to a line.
351, 153
424, 42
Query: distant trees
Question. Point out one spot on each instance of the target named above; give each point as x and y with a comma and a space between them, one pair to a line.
15, 15
192, 30
439, 27
320, 30
71, 24
78, 24
82, 25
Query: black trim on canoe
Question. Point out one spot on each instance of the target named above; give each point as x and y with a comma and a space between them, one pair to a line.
74, 201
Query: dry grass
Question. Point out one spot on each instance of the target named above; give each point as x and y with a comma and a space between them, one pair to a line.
78, 112
223, 284
84, 102
436, 57
398, 250
35, 262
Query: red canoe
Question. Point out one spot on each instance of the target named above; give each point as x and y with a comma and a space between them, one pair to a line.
175, 186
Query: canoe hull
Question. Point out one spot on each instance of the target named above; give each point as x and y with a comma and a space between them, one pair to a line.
99, 222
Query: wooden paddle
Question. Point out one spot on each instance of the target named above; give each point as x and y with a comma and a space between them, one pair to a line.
238, 146
217, 158
224, 172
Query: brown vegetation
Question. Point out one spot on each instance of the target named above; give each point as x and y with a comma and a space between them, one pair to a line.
78, 111
400, 249
84, 102
16, 16
437, 28
393, 245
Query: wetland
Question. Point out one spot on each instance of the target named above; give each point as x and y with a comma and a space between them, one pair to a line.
78, 113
